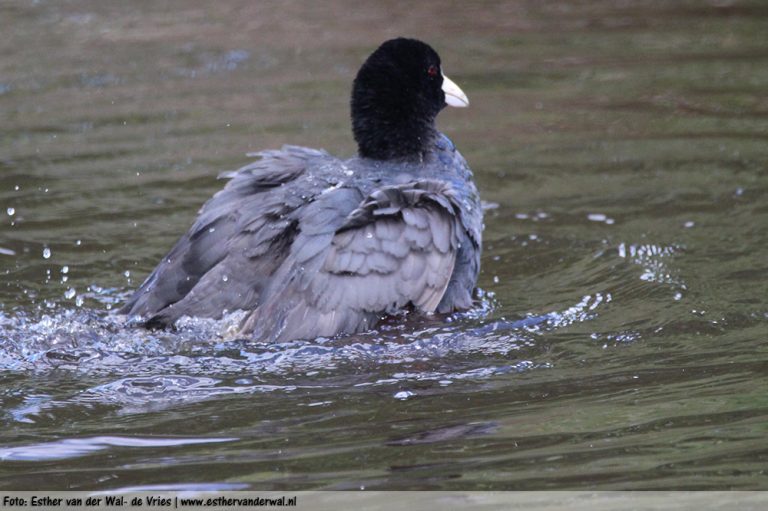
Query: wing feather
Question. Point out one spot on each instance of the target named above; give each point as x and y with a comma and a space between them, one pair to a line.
241, 236
397, 247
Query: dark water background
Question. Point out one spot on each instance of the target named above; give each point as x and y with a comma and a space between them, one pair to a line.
622, 147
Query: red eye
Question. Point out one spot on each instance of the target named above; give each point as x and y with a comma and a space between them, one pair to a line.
432, 71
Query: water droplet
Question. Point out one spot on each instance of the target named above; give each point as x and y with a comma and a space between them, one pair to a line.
10, 211
65, 269
225, 278
70, 293
46, 253
597, 217
495, 279
127, 274
689, 224
78, 243
79, 301
403, 395
212, 229
16, 188
369, 235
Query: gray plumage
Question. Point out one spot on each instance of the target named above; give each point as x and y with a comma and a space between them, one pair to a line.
310, 245
314, 246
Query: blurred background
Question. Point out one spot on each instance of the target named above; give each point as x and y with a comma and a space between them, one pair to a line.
621, 148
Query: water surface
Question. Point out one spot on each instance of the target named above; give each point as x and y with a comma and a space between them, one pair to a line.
621, 336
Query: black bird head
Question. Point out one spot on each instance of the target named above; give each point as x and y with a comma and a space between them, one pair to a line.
396, 96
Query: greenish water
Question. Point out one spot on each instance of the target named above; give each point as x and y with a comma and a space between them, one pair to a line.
622, 148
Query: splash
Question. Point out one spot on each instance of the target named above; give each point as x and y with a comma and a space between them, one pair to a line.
134, 370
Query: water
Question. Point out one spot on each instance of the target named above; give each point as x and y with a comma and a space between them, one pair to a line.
621, 341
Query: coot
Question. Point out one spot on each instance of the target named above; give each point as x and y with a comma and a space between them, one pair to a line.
311, 245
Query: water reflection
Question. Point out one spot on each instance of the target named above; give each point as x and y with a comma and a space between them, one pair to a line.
76, 447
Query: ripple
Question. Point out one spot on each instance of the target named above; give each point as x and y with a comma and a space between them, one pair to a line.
179, 487
135, 371
77, 447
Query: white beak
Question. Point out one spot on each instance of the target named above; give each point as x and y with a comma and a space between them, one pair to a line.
454, 96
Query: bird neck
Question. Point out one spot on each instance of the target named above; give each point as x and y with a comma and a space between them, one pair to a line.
394, 137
